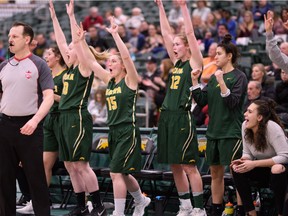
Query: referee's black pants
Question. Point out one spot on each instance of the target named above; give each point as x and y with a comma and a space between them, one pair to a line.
15, 147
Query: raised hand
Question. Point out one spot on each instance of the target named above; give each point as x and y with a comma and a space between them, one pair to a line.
80, 33
181, 2
52, 10
158, 2
219, 76
113, 26
269, 21
195, 74
70, 8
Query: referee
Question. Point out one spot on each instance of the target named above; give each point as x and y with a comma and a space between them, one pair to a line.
26, 86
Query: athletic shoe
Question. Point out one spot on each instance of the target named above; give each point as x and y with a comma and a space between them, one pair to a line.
22, 202
140, 207
98, 211
199, 212
185, 211
28, 209
79, 211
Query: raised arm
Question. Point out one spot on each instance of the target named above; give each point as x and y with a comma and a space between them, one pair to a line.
196, 59
87, 61
275, 54
166, 31
59, 35
132, 76
85, 71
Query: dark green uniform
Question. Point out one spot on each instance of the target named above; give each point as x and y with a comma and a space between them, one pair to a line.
75, 122
51, 126
124, 137
177, 139
225, 117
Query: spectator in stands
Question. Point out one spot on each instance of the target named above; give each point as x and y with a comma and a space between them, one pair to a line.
177, 143
284, 48
265, 155
254, 89
153, 42
93, 19
225, 95
162, 81
248, 28
2, 51
150, 87
199, 27
175, 16
247, 5
94, 39
211, 24
42, 44
267, 82
144, 28
201, 10
221, 32
136, 41
108, 13
275, 54
209, 64
281, 93
124, 137
98, 109
76, 140
261, 8
278, 27
229, 22
136, 18
120, 18
123, 34
102, 28
52, 39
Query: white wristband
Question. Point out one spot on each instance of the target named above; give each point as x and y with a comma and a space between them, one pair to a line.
226, 94
194, 87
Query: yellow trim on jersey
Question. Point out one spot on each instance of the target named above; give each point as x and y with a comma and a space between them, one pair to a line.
134, 108
189, 139
131, 149
81, 129
59, 73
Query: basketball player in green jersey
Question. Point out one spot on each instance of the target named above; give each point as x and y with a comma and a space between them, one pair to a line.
225, 95
75, 123
51, 139
177, 139
124, 136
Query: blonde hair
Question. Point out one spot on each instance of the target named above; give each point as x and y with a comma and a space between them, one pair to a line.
261, 67
99, 56
183, 37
